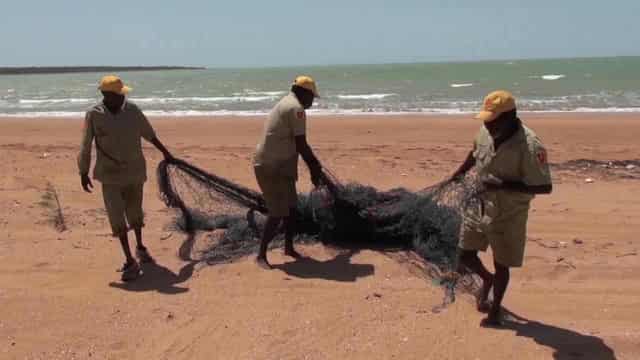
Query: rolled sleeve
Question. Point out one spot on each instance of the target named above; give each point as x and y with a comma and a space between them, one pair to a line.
84, 157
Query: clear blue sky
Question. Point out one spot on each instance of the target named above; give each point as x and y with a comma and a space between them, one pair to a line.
283, 32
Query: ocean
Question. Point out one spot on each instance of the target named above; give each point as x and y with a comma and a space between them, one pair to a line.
562, 85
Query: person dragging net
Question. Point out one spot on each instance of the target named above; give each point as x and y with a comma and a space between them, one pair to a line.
511, 163
116, 126
276, 164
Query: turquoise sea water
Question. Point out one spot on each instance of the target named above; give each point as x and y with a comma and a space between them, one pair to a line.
589, 85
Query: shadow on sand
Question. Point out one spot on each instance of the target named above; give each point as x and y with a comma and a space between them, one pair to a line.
339, 268
158, 278
566, 344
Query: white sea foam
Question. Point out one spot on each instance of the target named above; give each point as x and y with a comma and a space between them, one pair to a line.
461, 85
319, 112
365, 96
552, 77
260, 93
201, 99
56, 101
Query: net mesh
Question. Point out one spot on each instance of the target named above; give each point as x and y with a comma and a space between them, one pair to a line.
425, 222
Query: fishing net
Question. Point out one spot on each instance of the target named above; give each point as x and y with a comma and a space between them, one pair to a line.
353, 215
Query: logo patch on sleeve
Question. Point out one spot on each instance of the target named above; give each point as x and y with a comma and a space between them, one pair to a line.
541, 155
300, 115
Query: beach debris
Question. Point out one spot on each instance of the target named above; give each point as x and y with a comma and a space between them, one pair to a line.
589, 180
633, 253
374, 295
605, 169
578, 241
45, 155
566, 262
76, 246
550, 244
606, 245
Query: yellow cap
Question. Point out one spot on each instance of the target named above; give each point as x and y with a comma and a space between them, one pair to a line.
114, 84
307, 82
496, 103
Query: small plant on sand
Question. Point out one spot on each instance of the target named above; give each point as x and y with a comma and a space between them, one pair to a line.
51, 202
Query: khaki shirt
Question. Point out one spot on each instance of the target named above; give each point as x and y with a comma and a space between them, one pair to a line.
119, 158
521, 158
277, 152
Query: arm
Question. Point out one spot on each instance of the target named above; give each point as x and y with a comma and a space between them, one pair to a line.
535, 168
521, 187
84, 157
149, 134
160, 146
303, 148
468, 163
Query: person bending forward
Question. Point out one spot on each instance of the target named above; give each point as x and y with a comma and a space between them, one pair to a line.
512, 164
276, 163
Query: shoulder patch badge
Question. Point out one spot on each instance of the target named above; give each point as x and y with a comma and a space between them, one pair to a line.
541, 155
300, 114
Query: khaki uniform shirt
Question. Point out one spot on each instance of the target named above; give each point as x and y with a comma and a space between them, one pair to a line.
119, 158
276, 153
521, 158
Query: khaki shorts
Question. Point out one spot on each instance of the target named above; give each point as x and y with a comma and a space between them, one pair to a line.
507, 236
279, 192
124, 205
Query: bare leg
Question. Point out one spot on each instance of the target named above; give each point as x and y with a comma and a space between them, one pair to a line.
499, 288
270, 231
290, 232
470, 259
141, 250
124, 241
138, 231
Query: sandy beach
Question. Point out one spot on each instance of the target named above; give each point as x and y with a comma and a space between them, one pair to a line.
577, 297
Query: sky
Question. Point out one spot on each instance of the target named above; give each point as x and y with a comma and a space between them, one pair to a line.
240, 33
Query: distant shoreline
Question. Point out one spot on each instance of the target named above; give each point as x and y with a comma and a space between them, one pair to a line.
86, 69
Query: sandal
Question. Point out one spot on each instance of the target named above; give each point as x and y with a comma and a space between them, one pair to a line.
130, 271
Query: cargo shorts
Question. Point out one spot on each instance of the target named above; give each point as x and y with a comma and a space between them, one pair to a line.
123, 204
279, 192
501, 225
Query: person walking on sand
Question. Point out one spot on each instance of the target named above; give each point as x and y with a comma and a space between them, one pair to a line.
511, 162
276, 163
117, 125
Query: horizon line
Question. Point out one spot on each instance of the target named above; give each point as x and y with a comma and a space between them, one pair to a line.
312, 65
